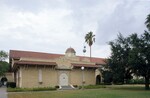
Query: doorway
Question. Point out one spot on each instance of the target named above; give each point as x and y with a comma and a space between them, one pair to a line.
98, 80
63, 79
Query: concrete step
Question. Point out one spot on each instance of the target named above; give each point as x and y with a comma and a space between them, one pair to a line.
68, 87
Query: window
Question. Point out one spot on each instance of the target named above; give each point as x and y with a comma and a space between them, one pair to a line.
40, 76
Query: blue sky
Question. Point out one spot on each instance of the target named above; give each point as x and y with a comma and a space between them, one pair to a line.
54, 25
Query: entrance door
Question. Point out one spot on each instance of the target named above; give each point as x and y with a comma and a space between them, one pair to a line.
63, 79
98, 79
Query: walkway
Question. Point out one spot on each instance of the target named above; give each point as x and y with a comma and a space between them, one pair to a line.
3, 93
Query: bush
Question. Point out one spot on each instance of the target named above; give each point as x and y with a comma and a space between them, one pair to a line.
107, 75
1, 84
119, 83
30, 89
56, 86
11, 84
105, 84
43, 89
136, 81
94, 86
14, 89
76, 86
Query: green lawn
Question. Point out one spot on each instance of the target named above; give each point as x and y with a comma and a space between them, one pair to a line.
109, 92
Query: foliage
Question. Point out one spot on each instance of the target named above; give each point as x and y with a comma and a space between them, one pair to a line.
56, 86
139, 57
147, 23
130, 55
93, 86
90, 39
11, 84
1, 83
136, 81
107, 76
30, 89
76, 86
118, 60
4, 67
3, 55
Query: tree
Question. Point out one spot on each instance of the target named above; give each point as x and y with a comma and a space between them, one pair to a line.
106, 72
147, 23
139, 57
130, 55
3, 55
118, 60
90, 39
4, 66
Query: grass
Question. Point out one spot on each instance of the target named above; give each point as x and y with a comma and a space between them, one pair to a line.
108, 92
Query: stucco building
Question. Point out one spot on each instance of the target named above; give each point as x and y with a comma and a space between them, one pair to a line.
36, 69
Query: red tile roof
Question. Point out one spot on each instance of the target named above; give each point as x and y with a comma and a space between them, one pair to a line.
16, 54
29, 54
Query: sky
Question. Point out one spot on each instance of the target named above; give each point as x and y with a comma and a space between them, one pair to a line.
52, 26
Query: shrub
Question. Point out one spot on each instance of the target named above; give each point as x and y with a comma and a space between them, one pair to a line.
136, 81
30, 89
1, 84
119, 83
56, 86
14, 89
107, 75
105, 84
94, 86
11, 84
76, 86
43, 89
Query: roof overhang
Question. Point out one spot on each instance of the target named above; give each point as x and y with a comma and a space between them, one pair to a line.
34, 63
85, 65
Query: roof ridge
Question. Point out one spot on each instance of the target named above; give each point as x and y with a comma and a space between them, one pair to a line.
35, 52
42, 55
55, 54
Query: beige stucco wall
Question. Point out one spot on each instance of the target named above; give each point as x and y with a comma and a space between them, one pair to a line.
27, 76
30, 77
76, 76
89, 76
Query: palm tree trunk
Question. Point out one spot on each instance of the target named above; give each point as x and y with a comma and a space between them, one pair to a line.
90, 53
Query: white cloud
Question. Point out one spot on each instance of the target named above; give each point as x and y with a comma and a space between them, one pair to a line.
53, 26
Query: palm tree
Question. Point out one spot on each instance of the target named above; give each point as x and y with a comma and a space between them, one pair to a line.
90, 39
148, 22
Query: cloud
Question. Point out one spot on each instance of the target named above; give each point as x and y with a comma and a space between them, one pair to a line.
54, 25
128, 17
49, 30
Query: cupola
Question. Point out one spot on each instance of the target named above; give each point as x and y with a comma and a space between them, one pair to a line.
70, 52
